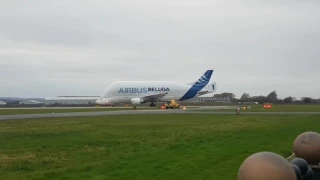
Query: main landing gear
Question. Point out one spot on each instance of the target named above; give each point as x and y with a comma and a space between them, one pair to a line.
153, 104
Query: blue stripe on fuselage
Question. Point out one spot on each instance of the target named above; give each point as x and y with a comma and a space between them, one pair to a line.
192, 92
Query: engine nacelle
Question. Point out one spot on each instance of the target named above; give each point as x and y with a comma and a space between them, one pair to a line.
137, 101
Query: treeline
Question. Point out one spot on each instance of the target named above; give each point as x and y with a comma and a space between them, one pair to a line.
272, 97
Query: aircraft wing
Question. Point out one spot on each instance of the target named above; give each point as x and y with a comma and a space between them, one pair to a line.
154, 97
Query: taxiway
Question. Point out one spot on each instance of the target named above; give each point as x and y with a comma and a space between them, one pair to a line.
131, 112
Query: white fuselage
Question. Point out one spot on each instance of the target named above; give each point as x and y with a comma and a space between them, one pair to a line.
124, 91
137, 92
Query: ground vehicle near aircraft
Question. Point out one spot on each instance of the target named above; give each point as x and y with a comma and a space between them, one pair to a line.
172, 104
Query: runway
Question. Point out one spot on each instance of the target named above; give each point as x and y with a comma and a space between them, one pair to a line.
131, 112
117, 107
76, 107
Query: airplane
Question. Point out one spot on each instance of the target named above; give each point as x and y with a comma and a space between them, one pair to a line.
139, 92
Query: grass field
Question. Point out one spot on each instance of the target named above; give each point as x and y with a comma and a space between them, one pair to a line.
277, 108
187, 146
48, 110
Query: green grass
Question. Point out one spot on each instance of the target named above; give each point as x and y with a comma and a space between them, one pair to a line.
186, 146
66, 110
276, 108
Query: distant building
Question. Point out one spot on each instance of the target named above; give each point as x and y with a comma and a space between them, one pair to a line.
71, 100
2, 103
21, 101
210, 99
29, 102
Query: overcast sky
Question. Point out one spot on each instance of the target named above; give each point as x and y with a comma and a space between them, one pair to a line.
76, 47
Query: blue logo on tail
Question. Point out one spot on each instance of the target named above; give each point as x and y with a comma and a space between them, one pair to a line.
202, 82
204, 79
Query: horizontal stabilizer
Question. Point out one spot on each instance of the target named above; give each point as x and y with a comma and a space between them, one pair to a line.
210, 88
200, 93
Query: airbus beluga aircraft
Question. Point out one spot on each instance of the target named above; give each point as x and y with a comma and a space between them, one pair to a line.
139, 92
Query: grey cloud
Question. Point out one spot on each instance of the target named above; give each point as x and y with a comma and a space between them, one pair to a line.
79, 47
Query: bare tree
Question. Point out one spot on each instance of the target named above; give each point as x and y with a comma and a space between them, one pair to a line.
272, 97
306, 99
245, 97
288, 99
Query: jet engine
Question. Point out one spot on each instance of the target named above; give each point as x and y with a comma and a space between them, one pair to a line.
137, 101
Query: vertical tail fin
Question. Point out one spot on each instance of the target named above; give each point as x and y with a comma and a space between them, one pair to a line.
204, 79
197, 86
